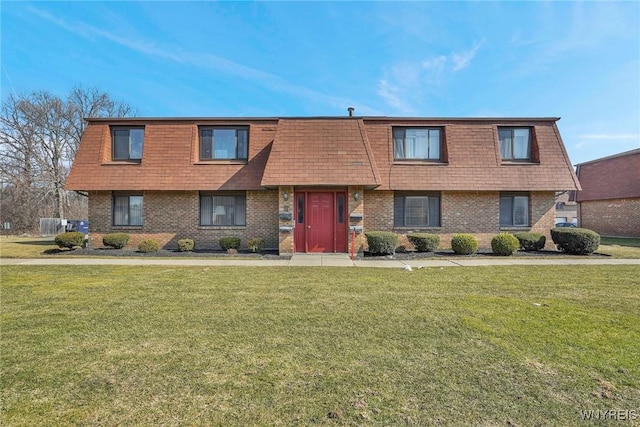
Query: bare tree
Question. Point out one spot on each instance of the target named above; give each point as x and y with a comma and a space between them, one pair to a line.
39, 136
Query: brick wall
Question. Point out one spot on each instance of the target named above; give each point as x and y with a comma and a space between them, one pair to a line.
615, 217
477, 213
170, 216
285, 226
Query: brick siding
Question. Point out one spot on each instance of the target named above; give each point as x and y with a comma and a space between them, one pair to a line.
615, 217
170, 216
477, 213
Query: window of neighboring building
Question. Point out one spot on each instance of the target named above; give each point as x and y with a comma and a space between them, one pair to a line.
417, 144
514, 210
127, 209
515, 143
223, 209
224, 143
416, 210
127, 143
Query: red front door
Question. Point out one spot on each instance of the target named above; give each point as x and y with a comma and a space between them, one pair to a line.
320, 221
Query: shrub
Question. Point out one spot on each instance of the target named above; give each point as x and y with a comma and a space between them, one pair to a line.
504, 244
115, 240
382, 242
186, 245
577, 241
227, 243
70, 239
148, 245
531, 241
256, 244
464, 244
424, 242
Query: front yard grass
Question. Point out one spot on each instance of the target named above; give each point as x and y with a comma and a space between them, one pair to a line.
101, 345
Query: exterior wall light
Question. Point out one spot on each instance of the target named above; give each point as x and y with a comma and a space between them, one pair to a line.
285, 195
356, 196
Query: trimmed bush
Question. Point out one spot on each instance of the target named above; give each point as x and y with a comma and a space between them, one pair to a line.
504, 244
464, 244
424, 242
148, 245
227, 243
70, 239
256, 244
531, 241
186, 245
382, 242
576, 241
115, 240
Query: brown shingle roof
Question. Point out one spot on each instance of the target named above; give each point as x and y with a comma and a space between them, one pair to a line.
473, 158
170, 158
336, 151
612, 177
320, 152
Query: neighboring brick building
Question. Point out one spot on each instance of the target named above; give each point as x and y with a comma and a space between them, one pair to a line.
609, 202
308, 184
566, 207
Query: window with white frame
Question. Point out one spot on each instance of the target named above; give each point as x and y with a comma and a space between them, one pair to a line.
514, 210
412, 209
128, 209
417, 143
127, 143
224, 209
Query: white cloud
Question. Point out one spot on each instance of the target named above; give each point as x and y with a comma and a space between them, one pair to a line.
207, 61
408, 82
592, 139
610, 136
462, 60
394, 96
434, 63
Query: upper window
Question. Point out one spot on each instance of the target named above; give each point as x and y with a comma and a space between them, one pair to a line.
223, 209
416, 210
417, 143
224, 143
515, 143
514, 210
127, 143
127, 210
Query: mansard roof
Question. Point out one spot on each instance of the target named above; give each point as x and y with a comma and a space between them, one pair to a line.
322, 151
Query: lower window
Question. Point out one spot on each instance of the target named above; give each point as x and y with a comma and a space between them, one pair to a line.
223, 209
127, 209
416, 210
514, 210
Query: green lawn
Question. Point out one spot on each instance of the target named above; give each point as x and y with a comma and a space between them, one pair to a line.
106, 346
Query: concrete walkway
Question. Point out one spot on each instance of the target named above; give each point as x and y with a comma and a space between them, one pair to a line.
321, 260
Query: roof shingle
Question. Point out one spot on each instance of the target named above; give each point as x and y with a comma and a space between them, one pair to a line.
323, 152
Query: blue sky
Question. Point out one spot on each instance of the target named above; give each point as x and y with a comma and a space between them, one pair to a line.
576, 60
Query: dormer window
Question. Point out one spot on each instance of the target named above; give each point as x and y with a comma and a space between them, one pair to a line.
515, 143
127, 143
224, 143
417, 143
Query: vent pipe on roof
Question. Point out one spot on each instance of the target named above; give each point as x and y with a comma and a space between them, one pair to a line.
350, 110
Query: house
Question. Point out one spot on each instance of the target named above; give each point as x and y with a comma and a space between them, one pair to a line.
566, 208
310, 184
609, 202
